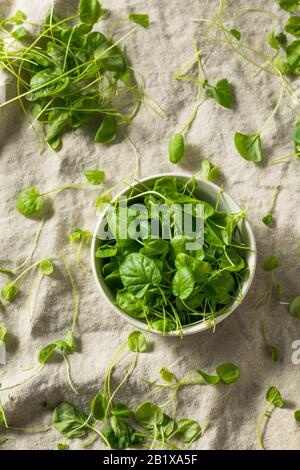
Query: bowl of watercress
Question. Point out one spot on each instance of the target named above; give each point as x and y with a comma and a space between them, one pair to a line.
162, 278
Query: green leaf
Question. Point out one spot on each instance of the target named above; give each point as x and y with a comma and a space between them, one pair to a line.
273, 396
98, 407
267, 219
163, 325
273, 41
29, 201
107, 131
47, 82
294, 307
270, 263
209, 379
138, 273
102, 201
176, 148
3, 332
149, 415
281, 38
46, 267
61, 446
77, 235
70, 340
46, 353
155, 247
106, 251
19, 33
89, 11
137, 342
222, 93
69, 420
249, 146
293, 55
18, 17
126, 437
166, 375
140, 19
122, 411
183, 283
7, 272
297, 415
130, 304
209, 171
9, 291
274, 353
188, 430
95, 177
235, 33
228, 373
289, 5
293, 26
55, 128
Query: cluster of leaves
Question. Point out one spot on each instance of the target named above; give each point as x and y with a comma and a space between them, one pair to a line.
11, 288
161, 281
71, 74
285, 62
121, 426
30, 201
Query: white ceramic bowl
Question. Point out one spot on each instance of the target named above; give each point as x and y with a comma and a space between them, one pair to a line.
208, 192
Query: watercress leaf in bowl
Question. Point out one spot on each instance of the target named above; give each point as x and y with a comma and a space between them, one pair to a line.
176, 148
46, 267
249, 146
137, 272
188, 430
294, 307
130, 304
228, 373
166, 375
270, 263
163, 326
47, 82
95, 177
98, 406
209, 379
137, 342
292, 26
183, 283
274, 397
9, 291
46, 353
107, 131
29, 201
232, 261
149, 415
70, 421
89, 11
106, 251
122, 411
155, 247
220, 287
140, 19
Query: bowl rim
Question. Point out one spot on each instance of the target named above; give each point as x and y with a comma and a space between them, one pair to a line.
189, 330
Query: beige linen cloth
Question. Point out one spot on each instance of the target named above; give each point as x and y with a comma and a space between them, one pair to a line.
158, 52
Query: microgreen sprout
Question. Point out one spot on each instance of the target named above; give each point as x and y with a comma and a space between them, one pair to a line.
274, 400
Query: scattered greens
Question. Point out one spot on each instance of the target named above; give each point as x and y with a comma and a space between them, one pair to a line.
294, 307
161, 281
71, 75
275, 400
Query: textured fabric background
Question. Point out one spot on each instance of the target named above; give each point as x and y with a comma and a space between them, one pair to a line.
157, 53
